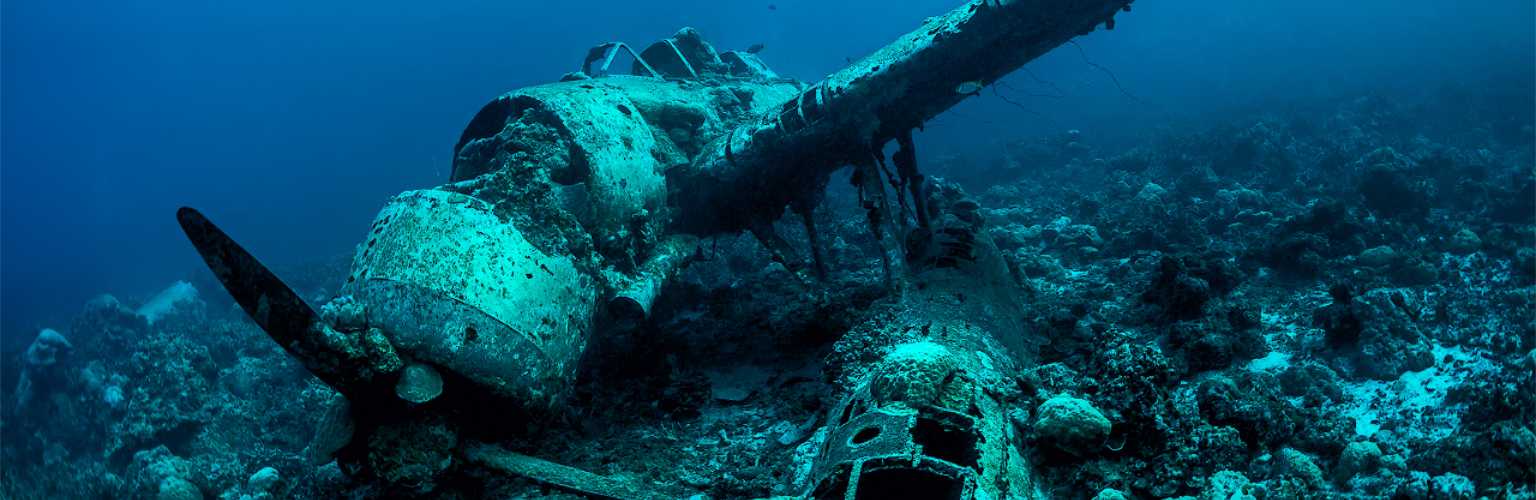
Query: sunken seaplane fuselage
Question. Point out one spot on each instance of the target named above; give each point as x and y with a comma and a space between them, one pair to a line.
569, 206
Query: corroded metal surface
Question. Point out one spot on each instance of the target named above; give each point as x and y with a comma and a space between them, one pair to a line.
451, 284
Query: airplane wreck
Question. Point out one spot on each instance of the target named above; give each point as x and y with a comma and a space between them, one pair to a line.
571, 204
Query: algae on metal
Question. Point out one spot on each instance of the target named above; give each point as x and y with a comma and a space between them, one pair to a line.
453, 285
929, 377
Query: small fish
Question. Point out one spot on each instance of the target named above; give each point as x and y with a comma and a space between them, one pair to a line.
755, 48
972, 87
773, 7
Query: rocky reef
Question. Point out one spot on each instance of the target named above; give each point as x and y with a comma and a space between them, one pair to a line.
1331, 301
1326, 302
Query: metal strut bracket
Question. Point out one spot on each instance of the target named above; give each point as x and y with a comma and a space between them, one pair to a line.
906, 167
606, 53
687, 65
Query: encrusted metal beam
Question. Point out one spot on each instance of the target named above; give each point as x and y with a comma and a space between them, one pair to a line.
756, 169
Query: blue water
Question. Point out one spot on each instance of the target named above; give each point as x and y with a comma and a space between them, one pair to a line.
291, 122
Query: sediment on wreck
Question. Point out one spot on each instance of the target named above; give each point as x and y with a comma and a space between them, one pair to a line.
927, 382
